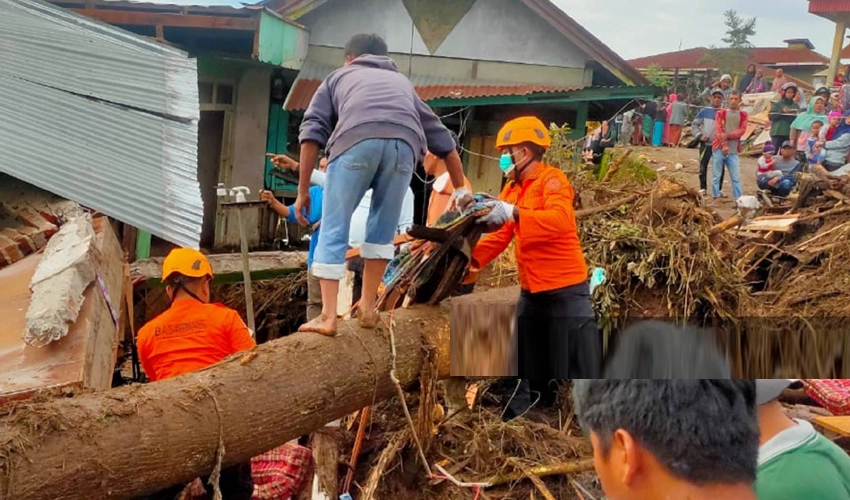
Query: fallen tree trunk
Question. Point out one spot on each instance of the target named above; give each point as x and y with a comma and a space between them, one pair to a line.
138, 439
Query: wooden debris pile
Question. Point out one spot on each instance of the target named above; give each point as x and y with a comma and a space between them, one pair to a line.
796, 260
660, 258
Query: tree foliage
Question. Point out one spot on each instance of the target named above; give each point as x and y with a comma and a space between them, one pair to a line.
738, 30
654, 73
733, 58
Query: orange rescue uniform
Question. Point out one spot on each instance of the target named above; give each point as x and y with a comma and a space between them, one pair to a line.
548, 250
190, 336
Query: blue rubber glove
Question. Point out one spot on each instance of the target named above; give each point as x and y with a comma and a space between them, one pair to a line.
501, 212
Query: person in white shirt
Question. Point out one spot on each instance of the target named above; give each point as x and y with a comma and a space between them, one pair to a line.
357, 235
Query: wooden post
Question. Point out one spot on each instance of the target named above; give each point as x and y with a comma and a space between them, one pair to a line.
129, 238
676, 81
837, 45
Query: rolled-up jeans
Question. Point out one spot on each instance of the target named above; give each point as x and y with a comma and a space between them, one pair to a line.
385, 166
732, 163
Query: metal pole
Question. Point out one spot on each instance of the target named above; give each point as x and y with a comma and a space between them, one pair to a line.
246, 274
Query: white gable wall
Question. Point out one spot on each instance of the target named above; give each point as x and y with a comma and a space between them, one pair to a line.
507, 30
335, 22
492, 30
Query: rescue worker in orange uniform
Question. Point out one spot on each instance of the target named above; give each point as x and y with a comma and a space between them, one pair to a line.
557, 335
194, 334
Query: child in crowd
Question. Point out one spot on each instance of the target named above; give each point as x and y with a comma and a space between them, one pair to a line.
813, 152
828, 133
767, 161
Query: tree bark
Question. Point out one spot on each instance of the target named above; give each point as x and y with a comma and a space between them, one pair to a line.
138, 439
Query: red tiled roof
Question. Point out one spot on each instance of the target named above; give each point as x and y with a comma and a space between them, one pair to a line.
695, 58
303, 89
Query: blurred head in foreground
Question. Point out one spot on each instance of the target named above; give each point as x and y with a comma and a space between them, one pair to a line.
654, 349
652, 439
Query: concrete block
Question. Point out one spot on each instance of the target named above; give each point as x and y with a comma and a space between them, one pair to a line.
68, 267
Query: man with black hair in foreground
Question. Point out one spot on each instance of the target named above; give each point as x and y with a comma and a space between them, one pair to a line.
671, 439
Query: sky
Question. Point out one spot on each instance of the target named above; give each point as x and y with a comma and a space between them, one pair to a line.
642, 28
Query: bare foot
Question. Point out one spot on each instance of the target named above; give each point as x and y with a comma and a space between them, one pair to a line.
368, 321
321, 324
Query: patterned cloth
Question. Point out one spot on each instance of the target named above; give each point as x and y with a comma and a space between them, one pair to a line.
832, 394
281, 473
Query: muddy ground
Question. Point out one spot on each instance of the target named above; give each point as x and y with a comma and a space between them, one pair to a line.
689, 158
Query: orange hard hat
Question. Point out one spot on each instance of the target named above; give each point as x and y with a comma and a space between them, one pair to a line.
188, 262
522, 130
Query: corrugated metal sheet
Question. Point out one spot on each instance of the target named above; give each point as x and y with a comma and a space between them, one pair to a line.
428, 87
97, 60
100, 116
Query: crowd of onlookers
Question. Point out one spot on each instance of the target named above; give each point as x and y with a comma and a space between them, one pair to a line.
805, 134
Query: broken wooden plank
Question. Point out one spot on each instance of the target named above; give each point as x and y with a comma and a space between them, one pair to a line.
228, 267
838, 425
784, 225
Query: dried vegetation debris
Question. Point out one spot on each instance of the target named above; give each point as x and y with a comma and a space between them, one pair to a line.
774, 288
473, 446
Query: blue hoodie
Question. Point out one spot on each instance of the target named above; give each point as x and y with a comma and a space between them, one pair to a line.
315, 215
704, 123
371, 99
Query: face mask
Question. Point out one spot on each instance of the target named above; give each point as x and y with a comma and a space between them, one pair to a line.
506, 163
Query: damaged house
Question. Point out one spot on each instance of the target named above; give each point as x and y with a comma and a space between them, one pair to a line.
476, 62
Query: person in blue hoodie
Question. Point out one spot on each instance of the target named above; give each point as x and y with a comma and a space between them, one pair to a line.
375, 129
314, 292
704, 126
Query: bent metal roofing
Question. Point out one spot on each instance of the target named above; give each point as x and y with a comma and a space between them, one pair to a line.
102, 117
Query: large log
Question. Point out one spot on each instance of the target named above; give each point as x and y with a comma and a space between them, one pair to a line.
138, 439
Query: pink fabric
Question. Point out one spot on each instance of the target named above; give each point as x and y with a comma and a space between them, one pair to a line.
832, 394
666, 138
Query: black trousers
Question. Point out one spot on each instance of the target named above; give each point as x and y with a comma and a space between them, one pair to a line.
557, 335
235, 483
705, 155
